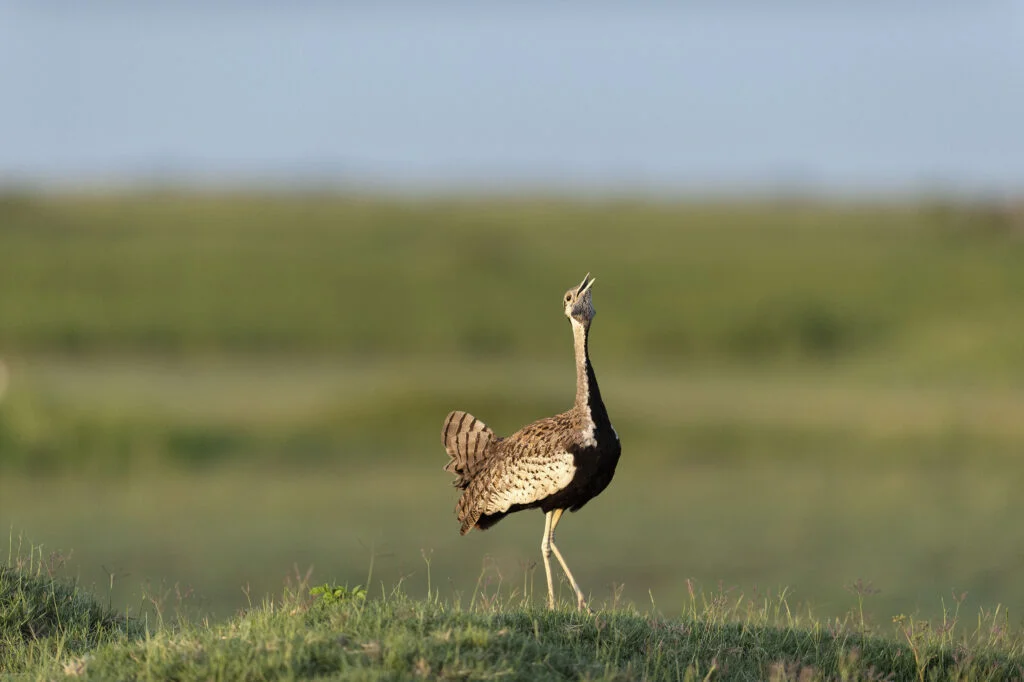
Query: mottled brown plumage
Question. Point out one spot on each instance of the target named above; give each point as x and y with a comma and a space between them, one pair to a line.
553, 464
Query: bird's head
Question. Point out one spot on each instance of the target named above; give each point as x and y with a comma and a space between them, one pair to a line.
578, 305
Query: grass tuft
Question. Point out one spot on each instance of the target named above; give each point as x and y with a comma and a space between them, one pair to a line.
45, 619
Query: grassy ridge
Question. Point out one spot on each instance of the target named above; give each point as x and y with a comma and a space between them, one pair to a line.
50, 630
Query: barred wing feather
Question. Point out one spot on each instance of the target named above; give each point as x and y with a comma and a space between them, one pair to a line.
467, 440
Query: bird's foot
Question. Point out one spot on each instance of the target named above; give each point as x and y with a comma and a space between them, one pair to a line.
581, 603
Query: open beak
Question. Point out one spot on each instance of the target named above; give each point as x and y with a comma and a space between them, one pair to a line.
585, 284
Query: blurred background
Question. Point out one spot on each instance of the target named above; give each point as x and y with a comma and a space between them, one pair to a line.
251, 254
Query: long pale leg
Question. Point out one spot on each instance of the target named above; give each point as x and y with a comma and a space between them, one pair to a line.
545, 551
581, 601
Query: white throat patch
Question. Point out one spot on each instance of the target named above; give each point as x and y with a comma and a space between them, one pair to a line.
588, 432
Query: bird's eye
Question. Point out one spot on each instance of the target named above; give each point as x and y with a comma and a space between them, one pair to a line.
568, 297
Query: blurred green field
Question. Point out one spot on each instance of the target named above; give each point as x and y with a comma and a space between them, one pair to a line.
927, 292
212, 390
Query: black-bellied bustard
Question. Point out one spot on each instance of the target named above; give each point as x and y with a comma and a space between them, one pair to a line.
556, 463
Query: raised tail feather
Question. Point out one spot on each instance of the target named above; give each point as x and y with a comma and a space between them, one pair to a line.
467, 440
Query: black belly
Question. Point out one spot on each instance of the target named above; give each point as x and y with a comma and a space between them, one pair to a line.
595, 468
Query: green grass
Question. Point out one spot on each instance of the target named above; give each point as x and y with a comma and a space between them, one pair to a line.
49, 629
207, 391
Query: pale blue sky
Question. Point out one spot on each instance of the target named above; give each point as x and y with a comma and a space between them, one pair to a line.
837, 97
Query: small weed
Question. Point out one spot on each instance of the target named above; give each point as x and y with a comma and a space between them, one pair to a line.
336, 594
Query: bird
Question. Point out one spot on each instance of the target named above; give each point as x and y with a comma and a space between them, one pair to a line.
555, 464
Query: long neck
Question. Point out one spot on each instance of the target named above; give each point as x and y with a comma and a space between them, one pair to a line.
588, 395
